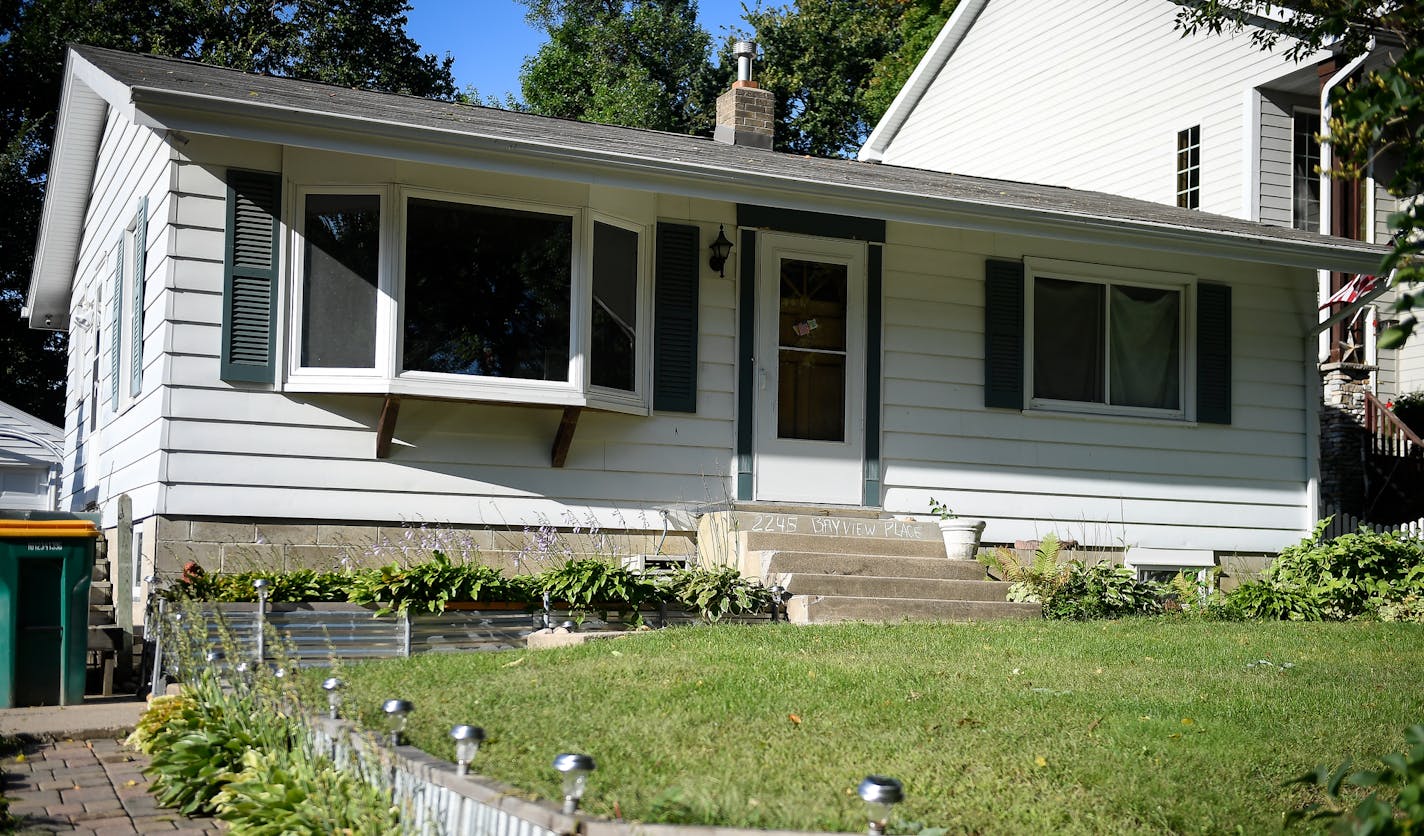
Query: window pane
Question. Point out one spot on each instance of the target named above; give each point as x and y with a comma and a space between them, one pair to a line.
487, 291
343, 249
1068, 340
1146, 347
811, 400
615, 307
813, 305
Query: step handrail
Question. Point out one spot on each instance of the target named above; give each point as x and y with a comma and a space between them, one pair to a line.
1389, 435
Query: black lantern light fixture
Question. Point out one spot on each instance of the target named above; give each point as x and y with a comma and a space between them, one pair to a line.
721, 248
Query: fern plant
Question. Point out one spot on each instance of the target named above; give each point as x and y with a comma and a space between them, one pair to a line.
1035, 580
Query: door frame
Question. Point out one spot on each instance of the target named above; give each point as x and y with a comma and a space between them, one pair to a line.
841, 464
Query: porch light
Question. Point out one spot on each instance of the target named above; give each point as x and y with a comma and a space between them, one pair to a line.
880, 794
575, 769
467, 745
396, 712
332, 686
721, 248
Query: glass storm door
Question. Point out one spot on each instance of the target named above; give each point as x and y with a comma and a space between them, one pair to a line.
810, 370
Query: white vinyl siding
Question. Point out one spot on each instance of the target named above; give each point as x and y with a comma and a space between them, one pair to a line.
1099, 479
1277, 144
1044, 91
121, 453
243, 450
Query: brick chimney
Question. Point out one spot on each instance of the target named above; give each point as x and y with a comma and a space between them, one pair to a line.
744, 113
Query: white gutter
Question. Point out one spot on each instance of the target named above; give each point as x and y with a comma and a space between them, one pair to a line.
1327, 163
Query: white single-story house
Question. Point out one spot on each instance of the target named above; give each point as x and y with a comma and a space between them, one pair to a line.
317, 313
31, 453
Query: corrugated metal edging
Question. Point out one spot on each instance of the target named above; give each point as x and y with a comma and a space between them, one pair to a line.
469, 630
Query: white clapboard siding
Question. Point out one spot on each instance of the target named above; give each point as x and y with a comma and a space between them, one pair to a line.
121, 454
1277, 176
245, 450
1157, 483
1039, 90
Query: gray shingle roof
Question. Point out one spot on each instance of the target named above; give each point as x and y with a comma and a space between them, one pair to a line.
153, 78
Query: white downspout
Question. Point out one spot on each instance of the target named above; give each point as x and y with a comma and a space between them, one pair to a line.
1327, 163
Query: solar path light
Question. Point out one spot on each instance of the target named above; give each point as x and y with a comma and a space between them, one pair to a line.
467, 745
575, 769
880, 794
332, 686
396, 712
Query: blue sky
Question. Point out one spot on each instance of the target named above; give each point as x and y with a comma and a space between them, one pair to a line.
490, 39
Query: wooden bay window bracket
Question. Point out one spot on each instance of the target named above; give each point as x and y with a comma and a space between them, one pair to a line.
565, 436
558, 453
386, 426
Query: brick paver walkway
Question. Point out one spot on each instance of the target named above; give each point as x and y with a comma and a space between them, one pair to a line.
90, 787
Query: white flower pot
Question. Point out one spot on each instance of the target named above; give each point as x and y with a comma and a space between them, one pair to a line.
961, 537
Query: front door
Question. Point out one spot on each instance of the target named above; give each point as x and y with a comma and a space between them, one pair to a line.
810, 370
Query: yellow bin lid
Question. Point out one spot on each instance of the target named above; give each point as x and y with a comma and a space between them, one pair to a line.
47, 528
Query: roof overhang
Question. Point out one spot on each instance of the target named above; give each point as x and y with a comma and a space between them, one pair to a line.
262, 122
89, 93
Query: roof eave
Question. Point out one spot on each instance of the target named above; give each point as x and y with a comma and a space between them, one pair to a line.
259, 121
84, 103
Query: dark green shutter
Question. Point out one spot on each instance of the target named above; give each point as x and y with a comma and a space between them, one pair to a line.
1003, 334
116, 326
140, 272
1213, 354
250, 277
675, 300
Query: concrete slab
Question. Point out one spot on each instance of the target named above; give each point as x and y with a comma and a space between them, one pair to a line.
96, 718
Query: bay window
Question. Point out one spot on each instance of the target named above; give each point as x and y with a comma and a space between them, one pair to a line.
405, 291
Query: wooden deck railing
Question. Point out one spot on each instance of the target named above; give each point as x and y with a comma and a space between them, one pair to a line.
1389, 436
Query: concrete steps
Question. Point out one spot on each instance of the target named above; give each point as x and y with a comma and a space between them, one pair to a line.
854, 565
830, 609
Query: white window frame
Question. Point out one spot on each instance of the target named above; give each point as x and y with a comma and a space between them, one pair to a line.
1315, 115
1190, 193
388, 377
603, 396
1183, 283
322, 376
1200, 561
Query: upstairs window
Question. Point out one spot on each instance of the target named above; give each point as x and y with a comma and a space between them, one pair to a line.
1305, 176
1189, 167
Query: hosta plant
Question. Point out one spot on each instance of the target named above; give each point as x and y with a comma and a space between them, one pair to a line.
716, 593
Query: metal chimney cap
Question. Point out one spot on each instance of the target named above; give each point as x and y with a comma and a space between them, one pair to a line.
747, 48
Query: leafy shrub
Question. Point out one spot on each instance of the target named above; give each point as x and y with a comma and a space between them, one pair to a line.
1350, 576
1275, 602
295, 586
1409, 609
1377, 813
152, 724
1409, 408
291, 790
715, 593
588, 583
430, 586
1037, 580
1102, 591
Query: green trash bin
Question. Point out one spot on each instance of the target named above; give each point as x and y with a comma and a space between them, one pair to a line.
46, 563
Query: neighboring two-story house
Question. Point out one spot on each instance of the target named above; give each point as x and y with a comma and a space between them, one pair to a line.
1111, 96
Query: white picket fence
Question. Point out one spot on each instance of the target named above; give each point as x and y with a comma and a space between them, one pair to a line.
1343, 523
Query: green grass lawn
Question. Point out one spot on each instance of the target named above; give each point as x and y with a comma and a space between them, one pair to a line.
1109, 727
